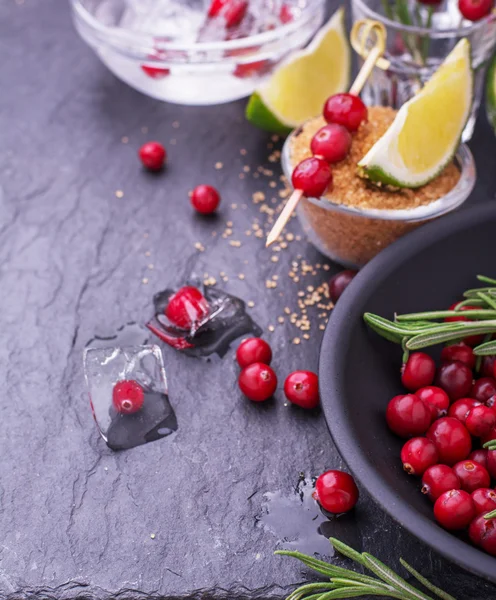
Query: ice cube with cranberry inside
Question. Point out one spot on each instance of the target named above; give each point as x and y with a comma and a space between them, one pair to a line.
128, 394
200, 321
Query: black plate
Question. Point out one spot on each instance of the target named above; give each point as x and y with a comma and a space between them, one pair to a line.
359, 371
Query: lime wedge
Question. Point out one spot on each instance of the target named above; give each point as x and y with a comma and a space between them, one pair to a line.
426, 131
491, 94
299, 87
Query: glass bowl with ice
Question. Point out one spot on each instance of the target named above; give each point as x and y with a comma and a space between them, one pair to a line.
196, 52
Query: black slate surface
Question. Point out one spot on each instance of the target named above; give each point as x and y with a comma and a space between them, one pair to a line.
76, 519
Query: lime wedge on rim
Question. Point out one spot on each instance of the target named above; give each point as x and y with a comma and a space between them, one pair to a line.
491, 94
426, 132
299, 87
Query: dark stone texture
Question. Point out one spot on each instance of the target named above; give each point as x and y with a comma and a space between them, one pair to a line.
75, 517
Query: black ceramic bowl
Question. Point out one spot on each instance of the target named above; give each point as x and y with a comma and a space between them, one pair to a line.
360, 372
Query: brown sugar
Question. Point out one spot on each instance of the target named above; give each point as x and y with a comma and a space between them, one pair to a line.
351, 190
351, 237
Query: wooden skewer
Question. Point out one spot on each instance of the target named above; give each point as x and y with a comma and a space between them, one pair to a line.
360, 33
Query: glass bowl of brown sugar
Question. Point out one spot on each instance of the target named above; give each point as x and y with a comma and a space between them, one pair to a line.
355, 220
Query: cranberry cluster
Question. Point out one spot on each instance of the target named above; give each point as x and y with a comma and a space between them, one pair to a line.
448, 416
258, 381
344, 113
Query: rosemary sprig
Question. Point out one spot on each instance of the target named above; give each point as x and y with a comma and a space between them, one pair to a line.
490, 515
491, 445
415, 331
345, 583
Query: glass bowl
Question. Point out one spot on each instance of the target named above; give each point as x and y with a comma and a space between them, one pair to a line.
352, 236
153, 46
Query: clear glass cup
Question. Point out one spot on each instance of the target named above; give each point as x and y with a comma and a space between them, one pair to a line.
352, 236
162, 47
416, 52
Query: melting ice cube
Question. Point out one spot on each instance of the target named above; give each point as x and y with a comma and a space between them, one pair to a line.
145, 414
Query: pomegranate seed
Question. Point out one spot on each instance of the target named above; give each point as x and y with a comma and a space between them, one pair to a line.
286, 14
255, 68
455, 379
482, 532
454, 509
436, 399
417, 455
155, 72
472, 475
235, 12
313, 176
418, 371
472, 340
484, 500
205, 199
187, 307
483, 389
453, 441
336, 492
258, 382
253, 350
479, 456
345, 109
339, 282
491, 463
128, 396
480, 420
460, 352
439, 479
215, 7
408, 416
302, 388
474, 10
153, 155
460, 409
332, 142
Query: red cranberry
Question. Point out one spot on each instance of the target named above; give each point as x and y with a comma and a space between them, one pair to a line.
454, 510
487, 368
302, 388
439, 479
471, 340
258, 382
153, 155
408, 415
488, 437
345, 109
455, 379
482, 532
332, 142
483, 389
253, 350
460, 409
472, 475
474, 10
312, 176
453, 441
491, 463
339, 282
155, 72
480, 420
233, 11
336, 492
128, 396
460, 352
286, 14
417, 455
205, 199
484, 500
479, 456
418, 371
436, 398
187, 307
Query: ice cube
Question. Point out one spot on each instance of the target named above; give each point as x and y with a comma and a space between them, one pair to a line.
124, 426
